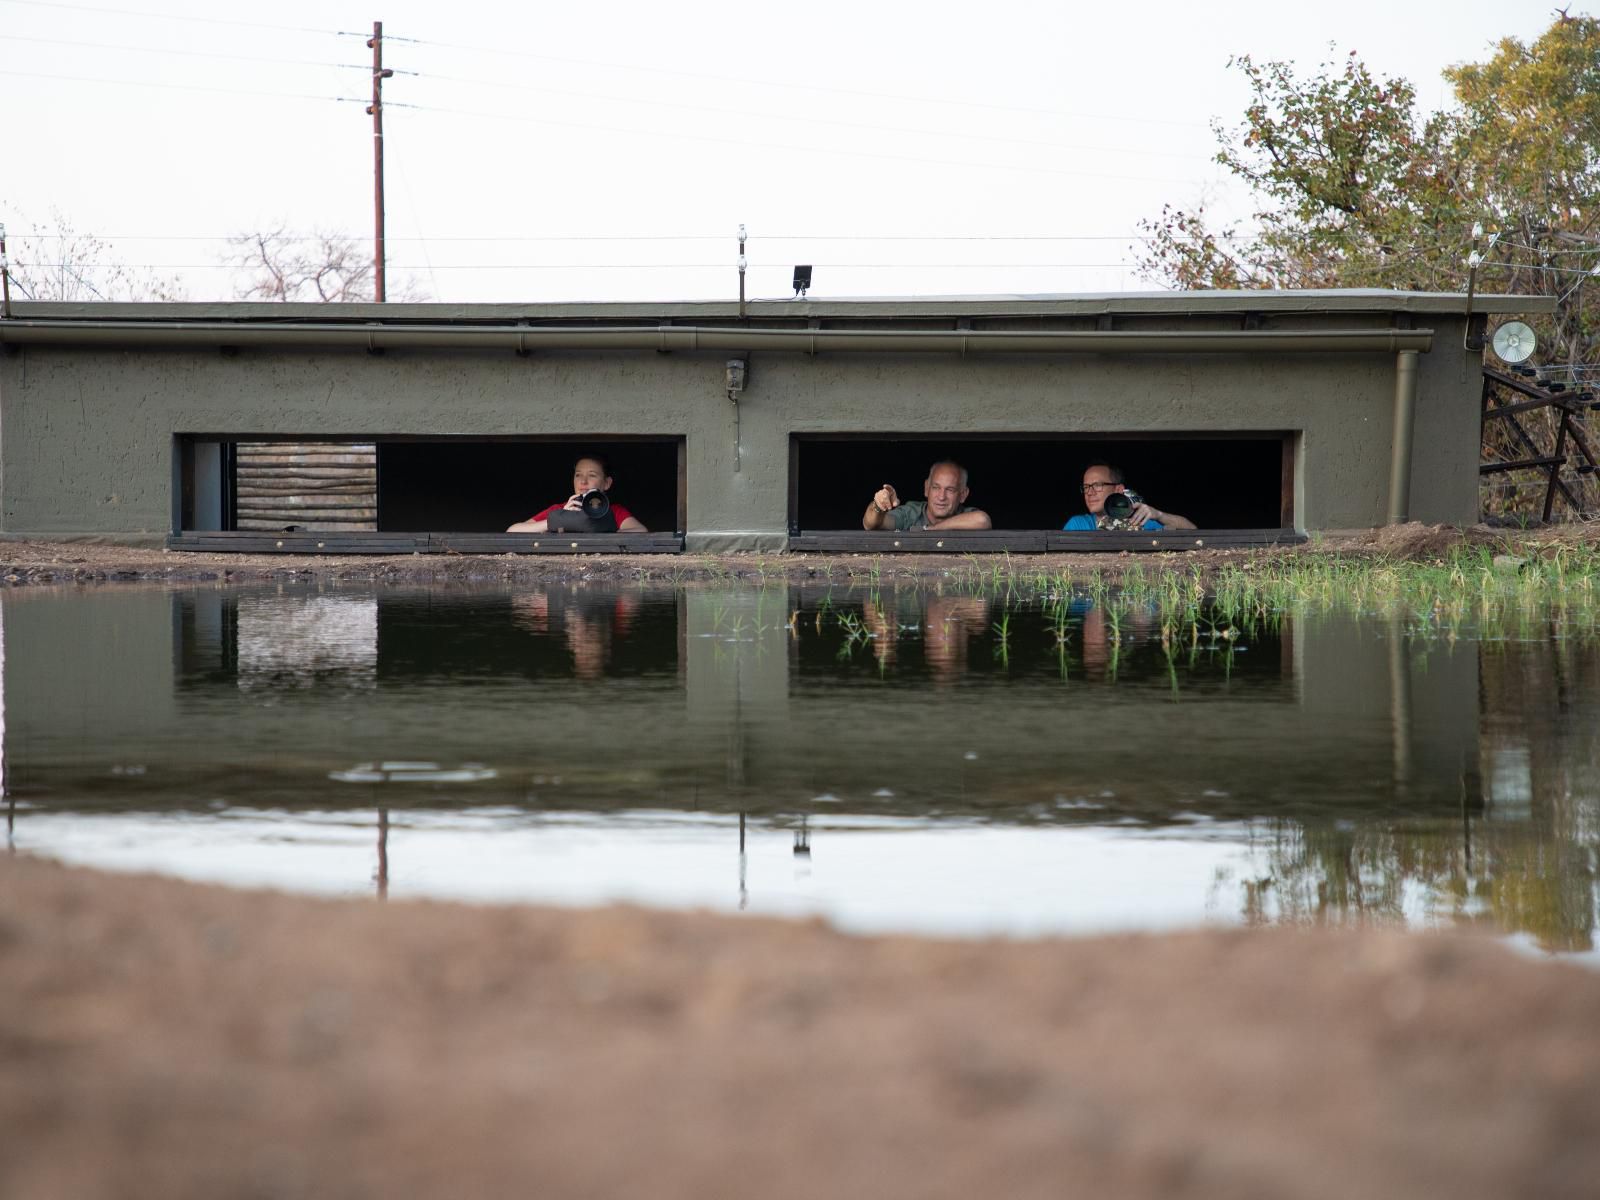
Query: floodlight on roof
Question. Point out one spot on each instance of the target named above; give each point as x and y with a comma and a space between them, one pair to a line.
802, 280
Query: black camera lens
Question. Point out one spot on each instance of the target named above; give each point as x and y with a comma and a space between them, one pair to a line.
1118, 506
595, 505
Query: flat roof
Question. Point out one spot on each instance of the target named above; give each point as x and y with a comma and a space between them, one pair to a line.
1328, 301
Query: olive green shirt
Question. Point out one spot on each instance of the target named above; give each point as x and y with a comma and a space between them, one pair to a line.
913, 514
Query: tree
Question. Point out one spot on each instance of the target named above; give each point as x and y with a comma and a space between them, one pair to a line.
57, 262
1356, 189
321, 268
324, 268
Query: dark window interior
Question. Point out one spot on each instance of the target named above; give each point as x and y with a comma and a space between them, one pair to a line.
1032, 483
472, 486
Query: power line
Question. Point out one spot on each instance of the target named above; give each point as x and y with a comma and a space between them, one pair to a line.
876, 156
671, 237
747, 143
656, 102
295, 62
153, 16
182, 87
644, 266
804, 87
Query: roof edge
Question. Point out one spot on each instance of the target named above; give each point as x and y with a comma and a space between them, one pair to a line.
1197, 303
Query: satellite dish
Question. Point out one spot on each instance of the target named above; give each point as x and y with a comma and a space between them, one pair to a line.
1513, 342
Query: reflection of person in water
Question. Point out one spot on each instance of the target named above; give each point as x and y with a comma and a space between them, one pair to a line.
1103, 642
591, 624
947, 624
589, 474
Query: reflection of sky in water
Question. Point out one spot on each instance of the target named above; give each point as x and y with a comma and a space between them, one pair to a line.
954, 763
863, 874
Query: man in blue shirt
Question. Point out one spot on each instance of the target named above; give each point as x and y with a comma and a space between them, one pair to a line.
1099, 481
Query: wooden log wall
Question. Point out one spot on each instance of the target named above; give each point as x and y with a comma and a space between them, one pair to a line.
314, 486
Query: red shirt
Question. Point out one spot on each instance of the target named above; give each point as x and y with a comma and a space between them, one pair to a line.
617, 511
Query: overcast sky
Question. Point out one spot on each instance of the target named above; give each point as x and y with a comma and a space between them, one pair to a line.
610, 151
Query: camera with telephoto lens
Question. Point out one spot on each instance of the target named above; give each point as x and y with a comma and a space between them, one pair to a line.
595, 505
1118, 510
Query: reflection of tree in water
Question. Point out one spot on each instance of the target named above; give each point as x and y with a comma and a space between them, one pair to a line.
591, 622
1523, 861
1541, 758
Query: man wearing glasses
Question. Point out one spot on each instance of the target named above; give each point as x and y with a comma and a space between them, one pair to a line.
1099, 481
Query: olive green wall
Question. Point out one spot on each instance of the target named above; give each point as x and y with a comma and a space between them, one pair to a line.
86, 434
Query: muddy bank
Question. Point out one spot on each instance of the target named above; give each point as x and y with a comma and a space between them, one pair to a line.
169, 1040
23, 562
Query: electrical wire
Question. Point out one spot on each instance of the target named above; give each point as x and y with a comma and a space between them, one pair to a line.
671, 237
644, 266
256, 58
152, 16
656, 102
747, 144
805, 87
187, 87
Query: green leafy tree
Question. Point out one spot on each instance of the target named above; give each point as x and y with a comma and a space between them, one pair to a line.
1355, 188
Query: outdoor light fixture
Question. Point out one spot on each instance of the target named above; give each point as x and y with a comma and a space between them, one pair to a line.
802, 280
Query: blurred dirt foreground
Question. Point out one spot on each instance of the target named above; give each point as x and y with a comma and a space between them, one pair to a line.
164, 1039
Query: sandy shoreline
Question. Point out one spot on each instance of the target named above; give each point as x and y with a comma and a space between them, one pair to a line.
169, 1039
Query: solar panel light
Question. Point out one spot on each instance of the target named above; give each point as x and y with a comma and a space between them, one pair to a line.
802, 280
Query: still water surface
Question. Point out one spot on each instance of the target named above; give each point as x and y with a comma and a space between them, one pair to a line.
895, 759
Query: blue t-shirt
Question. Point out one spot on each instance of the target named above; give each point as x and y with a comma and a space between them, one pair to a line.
1084, 523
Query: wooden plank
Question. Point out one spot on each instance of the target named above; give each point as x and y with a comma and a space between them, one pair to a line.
1106, 541
931, 541
329, 542
554, 543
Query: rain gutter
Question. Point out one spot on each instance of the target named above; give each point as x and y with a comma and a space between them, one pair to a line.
526, 338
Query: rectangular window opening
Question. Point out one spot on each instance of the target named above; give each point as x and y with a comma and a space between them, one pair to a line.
1029, 483
369, 493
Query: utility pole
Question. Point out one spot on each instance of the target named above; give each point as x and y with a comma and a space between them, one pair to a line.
379, 74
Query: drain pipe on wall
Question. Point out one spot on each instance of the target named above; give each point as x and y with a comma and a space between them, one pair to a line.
1405, 412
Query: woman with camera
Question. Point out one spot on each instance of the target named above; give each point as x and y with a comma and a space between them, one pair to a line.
590, 505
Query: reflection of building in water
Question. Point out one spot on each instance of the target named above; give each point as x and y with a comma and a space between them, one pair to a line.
295, 641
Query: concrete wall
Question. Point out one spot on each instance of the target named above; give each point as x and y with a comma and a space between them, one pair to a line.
86, 433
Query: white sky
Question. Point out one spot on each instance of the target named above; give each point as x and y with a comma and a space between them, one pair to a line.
552, 139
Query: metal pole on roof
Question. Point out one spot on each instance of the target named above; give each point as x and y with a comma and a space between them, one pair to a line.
379, 74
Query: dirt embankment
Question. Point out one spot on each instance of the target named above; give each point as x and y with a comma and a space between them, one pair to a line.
169, 1040
23, 562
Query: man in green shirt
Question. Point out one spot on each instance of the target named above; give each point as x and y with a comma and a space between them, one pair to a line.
946, 505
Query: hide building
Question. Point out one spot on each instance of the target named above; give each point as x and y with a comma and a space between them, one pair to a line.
416, 426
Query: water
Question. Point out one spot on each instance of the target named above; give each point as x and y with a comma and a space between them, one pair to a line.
895, 760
